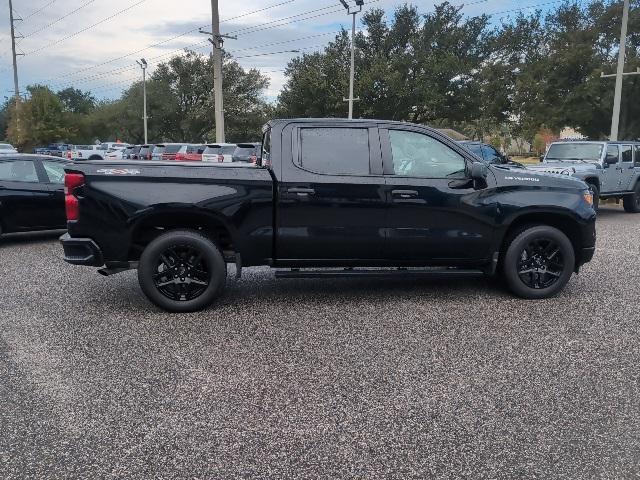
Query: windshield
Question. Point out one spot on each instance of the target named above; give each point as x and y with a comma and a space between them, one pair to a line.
172, 148
590, 152
5, 146
211, 150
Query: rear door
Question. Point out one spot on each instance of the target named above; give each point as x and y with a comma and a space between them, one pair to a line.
435, 214
627, 168
331, 204
23, 198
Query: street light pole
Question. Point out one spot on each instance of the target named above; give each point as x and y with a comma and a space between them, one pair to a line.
351, 99
16, 86
143, 65
217, 72
617, 101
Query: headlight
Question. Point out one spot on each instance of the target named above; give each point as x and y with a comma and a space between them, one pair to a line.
588, 197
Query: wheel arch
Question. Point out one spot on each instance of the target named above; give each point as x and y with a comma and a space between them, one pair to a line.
594, 180
149, 227
565, 223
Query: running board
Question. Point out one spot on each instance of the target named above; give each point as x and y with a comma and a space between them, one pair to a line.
378, 273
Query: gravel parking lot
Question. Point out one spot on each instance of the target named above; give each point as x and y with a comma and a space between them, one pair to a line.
320, 378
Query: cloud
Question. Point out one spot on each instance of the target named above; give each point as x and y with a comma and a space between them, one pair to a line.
77, 60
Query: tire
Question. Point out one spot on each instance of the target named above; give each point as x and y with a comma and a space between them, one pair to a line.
595, 191
182, 271
631, 203
539, 262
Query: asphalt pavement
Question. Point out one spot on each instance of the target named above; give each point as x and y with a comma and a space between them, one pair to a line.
320, 378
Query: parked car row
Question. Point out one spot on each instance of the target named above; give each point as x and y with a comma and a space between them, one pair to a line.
190, 152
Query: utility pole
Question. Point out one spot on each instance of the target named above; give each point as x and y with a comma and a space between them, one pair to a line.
620, 74
217, 41
16, 86
359, 4
143, 65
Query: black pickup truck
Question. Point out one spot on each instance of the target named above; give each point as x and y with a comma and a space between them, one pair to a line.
328, 198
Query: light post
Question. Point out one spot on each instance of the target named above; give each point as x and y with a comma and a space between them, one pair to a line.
143, 65
359, 4
620, 74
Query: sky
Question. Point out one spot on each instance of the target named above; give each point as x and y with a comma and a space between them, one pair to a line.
94, 44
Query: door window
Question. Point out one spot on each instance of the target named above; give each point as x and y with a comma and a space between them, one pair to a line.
335, 151
627, 153
637, 156
613, 153
54, 171
18, 171
418, 155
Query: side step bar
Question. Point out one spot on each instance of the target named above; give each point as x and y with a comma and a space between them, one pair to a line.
377, 273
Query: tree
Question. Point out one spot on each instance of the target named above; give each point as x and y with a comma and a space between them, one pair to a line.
77, 101
38, 120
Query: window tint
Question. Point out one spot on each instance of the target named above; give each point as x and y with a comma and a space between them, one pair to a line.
612, 151
227, 150
54, 170
491, 155
335, 151
627, 153
637, 156
18, 171
212, 150
172, 148
418, 155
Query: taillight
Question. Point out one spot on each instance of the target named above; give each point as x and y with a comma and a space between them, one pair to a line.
69, 155
72, 206
220, 158
149, 156
181, 157
254, 159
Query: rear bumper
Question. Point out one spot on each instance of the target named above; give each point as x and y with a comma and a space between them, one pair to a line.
81, 251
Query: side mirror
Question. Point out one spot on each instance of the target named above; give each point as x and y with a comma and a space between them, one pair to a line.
541, 158
479, 171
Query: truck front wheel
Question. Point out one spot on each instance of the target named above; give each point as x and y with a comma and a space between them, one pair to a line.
631, 203
182, 271
539, 262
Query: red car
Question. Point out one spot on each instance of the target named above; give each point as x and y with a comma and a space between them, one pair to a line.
190, 153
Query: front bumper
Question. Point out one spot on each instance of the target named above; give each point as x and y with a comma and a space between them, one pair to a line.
81, 251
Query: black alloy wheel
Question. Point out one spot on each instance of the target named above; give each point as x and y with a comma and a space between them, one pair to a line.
541, 263
538, 262
182, 271
631, 202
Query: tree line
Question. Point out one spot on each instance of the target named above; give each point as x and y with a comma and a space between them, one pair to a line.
526, 76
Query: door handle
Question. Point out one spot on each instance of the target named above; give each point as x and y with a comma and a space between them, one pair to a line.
302, 192
405, 193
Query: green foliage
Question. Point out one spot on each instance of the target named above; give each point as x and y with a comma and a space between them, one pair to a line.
448, 70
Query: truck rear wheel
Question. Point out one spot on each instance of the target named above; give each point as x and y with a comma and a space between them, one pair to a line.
539, 262
631, 203
182, 271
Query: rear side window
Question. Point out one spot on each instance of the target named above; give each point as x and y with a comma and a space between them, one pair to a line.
172, 148
54, 171
627, 153
227, 150
210, 150
335, 151
18, 171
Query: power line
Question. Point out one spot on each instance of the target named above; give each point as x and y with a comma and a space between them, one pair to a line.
35, 12
110, 17
57, 20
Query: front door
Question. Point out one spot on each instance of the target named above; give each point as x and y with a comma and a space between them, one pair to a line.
53, 177
331, 203
435, 213
611, 175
